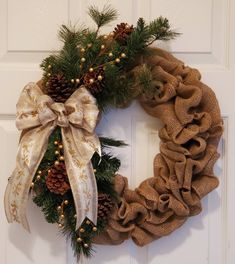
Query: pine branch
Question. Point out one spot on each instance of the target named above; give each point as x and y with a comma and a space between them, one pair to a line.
110, 142
103, 17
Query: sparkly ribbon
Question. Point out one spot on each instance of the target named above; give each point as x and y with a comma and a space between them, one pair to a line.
38, 115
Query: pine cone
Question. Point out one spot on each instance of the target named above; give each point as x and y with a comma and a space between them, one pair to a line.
122, 32
59, 88
105, 206
94, 81
57, 179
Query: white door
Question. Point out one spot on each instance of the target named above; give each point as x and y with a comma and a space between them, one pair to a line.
28, 33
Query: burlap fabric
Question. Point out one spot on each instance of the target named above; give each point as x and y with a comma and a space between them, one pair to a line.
183, 170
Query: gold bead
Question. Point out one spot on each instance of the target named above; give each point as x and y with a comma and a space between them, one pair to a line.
100, 77
117, 60
110, 54
79, 240
88, 222
39, 172
60, 146
56, 142
111, 34
123, 55
94, 229
57, 163
59, 208
91, 70
95, 170
38, 177
82, 230
75, 216
47, 83
57, 152
49, 66
102, 46
48, 74
86, 245
91, 81
105, 37
62, 216
72, 80
77, 80
82, 50
89, 45
127, 26
83, 59
61, 158
49, 171
66, 202
60, 225
32, 184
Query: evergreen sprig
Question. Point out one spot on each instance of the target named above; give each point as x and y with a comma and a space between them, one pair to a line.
103, 17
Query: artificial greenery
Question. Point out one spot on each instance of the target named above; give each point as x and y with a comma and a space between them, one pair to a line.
84, 49
105, 168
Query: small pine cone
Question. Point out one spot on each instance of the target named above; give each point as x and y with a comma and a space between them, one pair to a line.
57, 179
59, 88
94, 81
105, 206
122, 32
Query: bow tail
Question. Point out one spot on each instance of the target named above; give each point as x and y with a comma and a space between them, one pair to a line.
77, 154
31, 150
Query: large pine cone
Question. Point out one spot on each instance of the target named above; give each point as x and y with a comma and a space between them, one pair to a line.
59, 88
94, 81
105, 206
122, 32
57, 179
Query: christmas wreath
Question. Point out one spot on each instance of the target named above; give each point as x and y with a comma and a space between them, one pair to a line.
69, 170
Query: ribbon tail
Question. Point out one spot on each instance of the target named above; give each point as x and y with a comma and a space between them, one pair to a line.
31, 150
81, 175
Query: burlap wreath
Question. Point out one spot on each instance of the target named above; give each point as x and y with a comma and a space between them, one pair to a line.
183, 170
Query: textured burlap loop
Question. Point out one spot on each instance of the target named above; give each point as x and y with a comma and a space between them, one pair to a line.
183, 170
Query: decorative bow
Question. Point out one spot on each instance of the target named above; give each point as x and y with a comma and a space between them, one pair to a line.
38, 115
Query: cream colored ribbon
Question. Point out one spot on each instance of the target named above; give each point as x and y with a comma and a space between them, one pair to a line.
38, 115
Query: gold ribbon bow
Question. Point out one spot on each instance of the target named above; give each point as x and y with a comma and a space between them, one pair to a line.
38, 115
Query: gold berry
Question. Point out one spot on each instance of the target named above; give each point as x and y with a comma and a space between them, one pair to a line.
48, 74
66, 202
91, 80
88, 222
49, 66
39, 172
57, 162
59, 208
60, 225
61, 158
83, 59
117, 60
77, 80
57, 152
75, 216
110, 54
91, 70
56, 142
72, 80
111, 34
95, 170
82, 50
38, 177
32, 184
89, 45
82, 230
123, 55
94, 229
79, 239
60, 146
62, 216
100, 77
105, 36
102, 46
49, 171
86, 245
